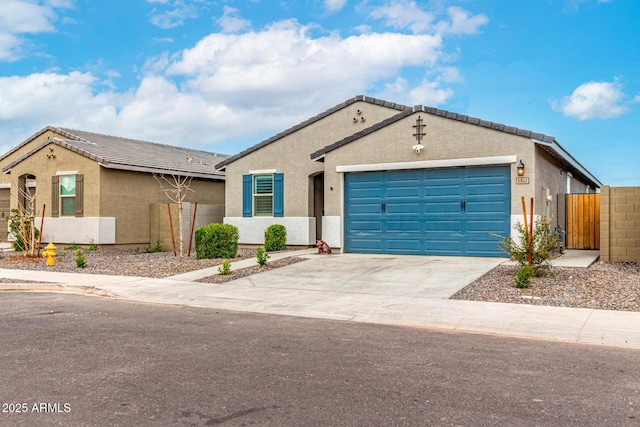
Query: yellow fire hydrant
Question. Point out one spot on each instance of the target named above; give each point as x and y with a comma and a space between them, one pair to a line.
50, 254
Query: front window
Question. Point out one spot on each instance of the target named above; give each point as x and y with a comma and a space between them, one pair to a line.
263, 195
68, 195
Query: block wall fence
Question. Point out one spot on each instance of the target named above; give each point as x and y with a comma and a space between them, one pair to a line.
620, 224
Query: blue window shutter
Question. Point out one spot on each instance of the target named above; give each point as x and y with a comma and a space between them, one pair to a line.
278, 195
247, 196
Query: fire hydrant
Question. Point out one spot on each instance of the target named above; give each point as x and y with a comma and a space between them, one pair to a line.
50, 254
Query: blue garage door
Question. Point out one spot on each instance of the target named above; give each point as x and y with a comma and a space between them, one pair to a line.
428, 211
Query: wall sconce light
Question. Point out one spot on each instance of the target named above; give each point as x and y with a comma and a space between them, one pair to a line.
520, 168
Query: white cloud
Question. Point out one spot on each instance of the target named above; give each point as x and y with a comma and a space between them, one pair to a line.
230, 22
235, 86
406, 14
283, 61
333, 6
593, 100
176, 16
21, 17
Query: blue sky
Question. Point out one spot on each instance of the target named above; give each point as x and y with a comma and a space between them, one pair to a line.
223, 75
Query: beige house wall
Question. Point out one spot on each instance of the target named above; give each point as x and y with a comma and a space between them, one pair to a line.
620, 224
22, 151
445, 139
551, 180
291, 156
127, 196
43, 165
110, 196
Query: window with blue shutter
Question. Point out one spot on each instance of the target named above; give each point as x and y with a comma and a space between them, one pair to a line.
247, 196
278, 195
263, 195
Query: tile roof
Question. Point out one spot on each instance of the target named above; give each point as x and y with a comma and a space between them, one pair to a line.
311, 121
546, 142
130, 154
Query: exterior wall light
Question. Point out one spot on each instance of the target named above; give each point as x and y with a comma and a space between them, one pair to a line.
520, 168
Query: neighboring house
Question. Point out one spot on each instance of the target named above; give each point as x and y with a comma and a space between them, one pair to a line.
372, 176
100, 188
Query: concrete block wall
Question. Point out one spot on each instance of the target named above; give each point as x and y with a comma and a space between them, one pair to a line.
161, 229
620, 224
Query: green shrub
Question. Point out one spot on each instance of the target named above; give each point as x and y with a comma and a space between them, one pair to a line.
81, 262
225, 268
523, 277
545, 243
262, 256
217, 241
72, 247
275, 238
157, 247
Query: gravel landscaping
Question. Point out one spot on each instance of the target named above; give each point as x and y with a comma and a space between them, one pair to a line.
121, 262
605, 286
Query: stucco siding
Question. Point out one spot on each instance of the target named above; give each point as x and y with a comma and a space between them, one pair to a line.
44, 167
23, 151
127, 196
445, 139
291, 156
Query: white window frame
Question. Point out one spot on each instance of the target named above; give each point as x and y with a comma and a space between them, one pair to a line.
255, 196
67, 196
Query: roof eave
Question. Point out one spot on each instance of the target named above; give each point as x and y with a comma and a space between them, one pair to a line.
131, 168
569, 159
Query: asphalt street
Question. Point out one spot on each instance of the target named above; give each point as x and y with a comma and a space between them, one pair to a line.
82, 360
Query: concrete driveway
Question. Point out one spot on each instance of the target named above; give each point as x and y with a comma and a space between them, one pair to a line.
393, 275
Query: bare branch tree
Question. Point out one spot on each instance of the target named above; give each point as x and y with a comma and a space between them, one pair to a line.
26, 230
176, 187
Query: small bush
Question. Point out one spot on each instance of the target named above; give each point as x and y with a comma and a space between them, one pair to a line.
72, 247
93, 247
81, 262
523, 277
544, 244
262, 256
217, 241
157, 247
275, 238
225, 268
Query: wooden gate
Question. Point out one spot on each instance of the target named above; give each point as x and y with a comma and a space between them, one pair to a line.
583, 221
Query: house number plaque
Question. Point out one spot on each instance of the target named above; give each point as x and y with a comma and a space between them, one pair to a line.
522, 180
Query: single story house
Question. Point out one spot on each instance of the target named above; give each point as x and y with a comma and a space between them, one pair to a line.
371, 176
99, 188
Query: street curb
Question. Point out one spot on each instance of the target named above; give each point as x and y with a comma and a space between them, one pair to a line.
55, 287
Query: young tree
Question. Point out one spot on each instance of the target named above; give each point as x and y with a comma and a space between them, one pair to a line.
176, 187
22, 223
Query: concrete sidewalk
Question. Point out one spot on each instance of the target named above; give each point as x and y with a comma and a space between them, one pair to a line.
285, 291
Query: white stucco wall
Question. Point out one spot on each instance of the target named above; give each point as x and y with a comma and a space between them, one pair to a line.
301, 231
83, 231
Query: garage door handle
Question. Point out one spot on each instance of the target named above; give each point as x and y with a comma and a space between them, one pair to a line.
463, 206
383, 207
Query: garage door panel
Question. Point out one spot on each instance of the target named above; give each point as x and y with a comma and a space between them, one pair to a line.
443, 225
488, 225
404, 246
449, 207
368, 226
403, 192
486, 190
404, 226
372, 245
402, 208
434, 212
488, 207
